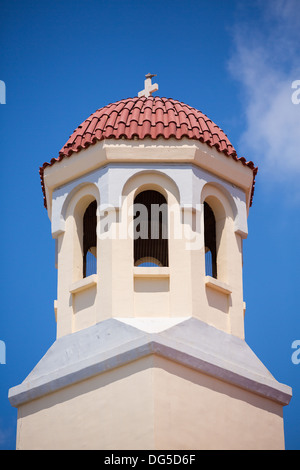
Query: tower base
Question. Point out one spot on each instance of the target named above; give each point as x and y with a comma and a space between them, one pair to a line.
114, 386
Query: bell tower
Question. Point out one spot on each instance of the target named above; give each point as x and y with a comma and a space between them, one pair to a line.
148, 203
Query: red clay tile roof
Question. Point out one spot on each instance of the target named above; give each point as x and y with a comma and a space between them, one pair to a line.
152, 117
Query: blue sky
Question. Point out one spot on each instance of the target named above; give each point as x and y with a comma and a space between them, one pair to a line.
235, 61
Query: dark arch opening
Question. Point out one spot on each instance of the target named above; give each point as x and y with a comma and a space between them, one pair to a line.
90, 240
210, 242
150, 229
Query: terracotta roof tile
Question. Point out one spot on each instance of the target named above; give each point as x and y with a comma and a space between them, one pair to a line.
143, 117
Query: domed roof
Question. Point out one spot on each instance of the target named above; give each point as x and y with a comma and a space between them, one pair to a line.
143, 117
147, 117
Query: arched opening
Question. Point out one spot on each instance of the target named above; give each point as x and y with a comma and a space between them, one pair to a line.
210, 242
90, 240
150, 229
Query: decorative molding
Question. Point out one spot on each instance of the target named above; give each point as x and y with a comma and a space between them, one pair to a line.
112, 344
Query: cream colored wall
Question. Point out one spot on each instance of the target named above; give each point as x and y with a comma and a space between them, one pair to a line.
99, 413
171, 288
224, 309
122, 290
160, 151
151, 403
195, 411
75, 310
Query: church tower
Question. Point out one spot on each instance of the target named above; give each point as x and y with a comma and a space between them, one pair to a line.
148, 203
